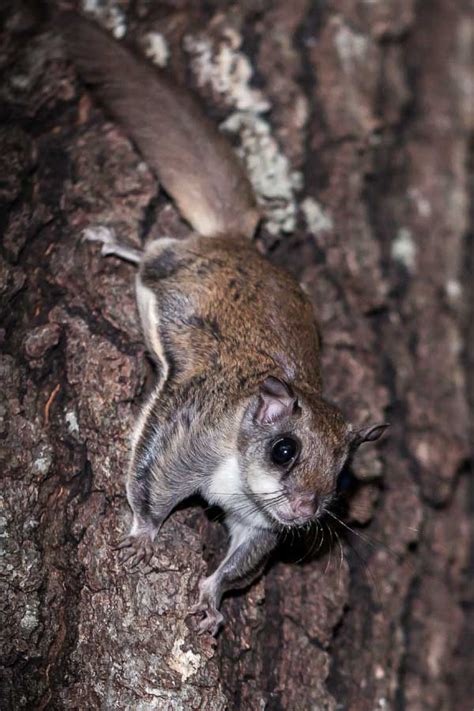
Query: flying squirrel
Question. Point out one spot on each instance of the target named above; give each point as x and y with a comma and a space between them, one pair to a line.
237, 412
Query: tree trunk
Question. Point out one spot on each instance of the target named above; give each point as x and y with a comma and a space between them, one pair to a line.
353, 118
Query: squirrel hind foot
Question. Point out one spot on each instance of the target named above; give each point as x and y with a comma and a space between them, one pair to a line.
110, 245
211, 617
207, 608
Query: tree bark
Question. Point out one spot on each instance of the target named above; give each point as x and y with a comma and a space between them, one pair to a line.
355, 120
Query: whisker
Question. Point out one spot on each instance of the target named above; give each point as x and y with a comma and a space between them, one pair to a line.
317, 531
306, 528
321, 543
245, 494
338, 538
374, 543
366, 566
368, 574
330, 551
315, 540
316, 546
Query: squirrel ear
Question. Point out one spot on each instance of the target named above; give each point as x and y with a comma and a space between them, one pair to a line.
370, 434
276, 401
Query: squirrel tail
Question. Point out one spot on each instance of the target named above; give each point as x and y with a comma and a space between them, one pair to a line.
193, 161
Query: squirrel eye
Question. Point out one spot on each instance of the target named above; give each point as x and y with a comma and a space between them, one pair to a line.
284, 450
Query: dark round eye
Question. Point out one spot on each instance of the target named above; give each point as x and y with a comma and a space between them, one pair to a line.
284, 450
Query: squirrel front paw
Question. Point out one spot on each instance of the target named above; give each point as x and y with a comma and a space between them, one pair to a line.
135, 549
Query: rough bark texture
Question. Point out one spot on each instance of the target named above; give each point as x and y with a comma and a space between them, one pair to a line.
354, 121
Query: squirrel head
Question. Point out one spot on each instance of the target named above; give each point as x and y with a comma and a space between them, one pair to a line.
291, 449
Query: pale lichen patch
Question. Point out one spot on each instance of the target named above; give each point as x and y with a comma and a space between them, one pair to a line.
453, 289
30, 619
156, 48
351, 46
108, 14
269, 170
186, 663
227, 70
379, 672
404, 248
317, 218
42, 463
71, 423
422, 205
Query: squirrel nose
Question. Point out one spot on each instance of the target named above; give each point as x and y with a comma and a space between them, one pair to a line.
304, 504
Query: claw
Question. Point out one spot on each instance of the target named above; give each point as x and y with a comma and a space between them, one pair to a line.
123, 543
110, 245
211, 624
212, 619
206, 606
195, 609
104, 235
108, 249
126, 555
136, 549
